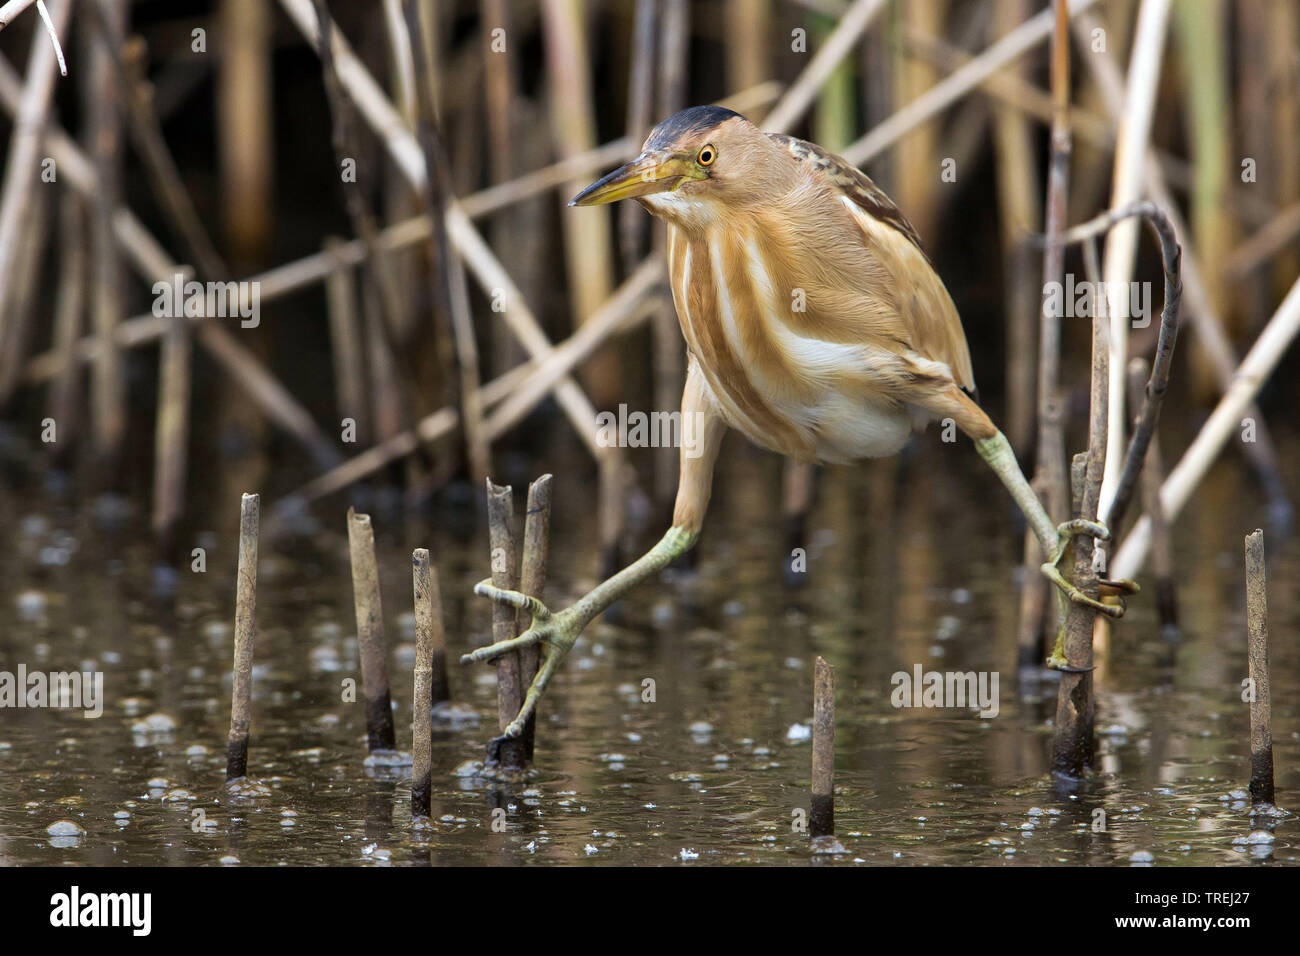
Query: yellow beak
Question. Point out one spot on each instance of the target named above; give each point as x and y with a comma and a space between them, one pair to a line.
649, 173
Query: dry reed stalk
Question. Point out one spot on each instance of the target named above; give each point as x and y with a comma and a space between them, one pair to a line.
957, 84
1049, 470
165, 177
1153, 473
1224, 421
172, 431
1202, 32
103, 97
1072, 747
375, 107
370, 634
241, 695
799, 97
23, 294
507, 753
821, 821
449, 289
1019, 211
1209, 328
69, 311
916, 155
633, 223
749, 33
532, 581
426, 624
23, 170
1261, 716
244, 116
587, 239
280, 281
153, 264
345, 347
1126, 187
443, 422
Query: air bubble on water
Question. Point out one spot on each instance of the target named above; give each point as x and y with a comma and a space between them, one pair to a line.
798, 733
590, 850
455, 715
156, 723
1142, 857
828, 846
325, 659
688, 854
388, 758
66, 828
243, 787
948, 628
30, 604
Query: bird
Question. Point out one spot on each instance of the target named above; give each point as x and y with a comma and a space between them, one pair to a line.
815, 325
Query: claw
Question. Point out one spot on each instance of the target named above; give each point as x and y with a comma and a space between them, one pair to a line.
1053, 574
1082, 526
1121, 586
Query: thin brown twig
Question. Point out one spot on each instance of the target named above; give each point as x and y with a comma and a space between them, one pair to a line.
1170, 257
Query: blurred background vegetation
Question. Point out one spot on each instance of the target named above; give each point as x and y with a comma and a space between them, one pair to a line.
495, 94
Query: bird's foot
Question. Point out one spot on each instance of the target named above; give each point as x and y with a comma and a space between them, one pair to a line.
1051, 569
555, 632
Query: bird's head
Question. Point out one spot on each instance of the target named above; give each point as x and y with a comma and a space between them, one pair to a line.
693, 165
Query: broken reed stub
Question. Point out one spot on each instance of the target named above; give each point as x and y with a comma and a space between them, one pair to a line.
370, 634
1261, 718
422, 723
822, 818
505, 753
532, 579
241, 705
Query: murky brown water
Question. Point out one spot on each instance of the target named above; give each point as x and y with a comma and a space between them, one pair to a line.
902, 571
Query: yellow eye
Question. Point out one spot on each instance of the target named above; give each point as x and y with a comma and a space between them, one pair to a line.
707, 155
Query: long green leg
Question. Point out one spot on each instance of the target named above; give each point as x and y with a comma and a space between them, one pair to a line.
996, 450
558, 632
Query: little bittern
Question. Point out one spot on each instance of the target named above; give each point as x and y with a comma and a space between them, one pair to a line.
815, 325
